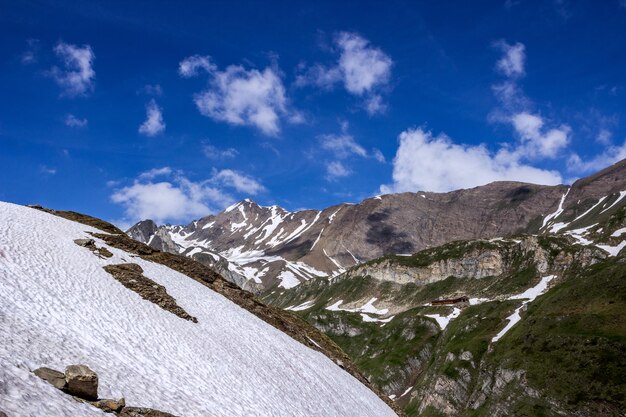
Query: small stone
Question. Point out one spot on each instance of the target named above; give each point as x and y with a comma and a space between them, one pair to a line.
82, 382
111, 406
55, 378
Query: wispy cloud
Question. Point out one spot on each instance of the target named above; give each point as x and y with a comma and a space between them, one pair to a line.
213, 152
76, 77
154, 124
73, 121
335, 170
513, 58
240, 96
30, 55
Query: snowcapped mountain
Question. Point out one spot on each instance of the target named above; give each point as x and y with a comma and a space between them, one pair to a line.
269, 248
178, 344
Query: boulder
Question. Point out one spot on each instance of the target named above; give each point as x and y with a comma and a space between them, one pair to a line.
110, 406
82, 382
55, 378
143, 412
86, 243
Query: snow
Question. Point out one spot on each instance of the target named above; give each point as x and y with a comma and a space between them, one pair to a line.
528, 296
369, 319
365, 310
304, 306
613, 250
621, 196
332, 216
288, 280
558, 211
369, 308
443, 321
231, 208
337, 264
208, 225
318, 239
619, 232
59, 307
407, 391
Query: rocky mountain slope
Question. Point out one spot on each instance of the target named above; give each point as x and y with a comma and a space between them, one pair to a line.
529, 325
161, 330
266, 249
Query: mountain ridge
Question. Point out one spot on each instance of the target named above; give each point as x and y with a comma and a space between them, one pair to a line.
269, 248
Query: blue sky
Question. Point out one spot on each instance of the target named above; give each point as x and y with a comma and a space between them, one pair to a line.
128, 110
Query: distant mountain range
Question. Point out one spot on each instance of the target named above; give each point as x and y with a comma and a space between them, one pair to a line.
265, 249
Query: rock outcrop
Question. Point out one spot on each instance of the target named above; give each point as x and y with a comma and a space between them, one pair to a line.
82, 382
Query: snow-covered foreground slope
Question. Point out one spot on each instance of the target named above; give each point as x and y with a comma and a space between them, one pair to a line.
59, 307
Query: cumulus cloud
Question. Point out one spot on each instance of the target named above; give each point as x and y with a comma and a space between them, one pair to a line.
213, 152
335, 170
154, 124
513, 58
77, 75
73, 121
435, 163
240, 96
362, 69
163, 194
535, 142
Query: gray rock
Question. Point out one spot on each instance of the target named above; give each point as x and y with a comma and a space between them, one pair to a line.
110, 406
143, 412
55, 378
3, 414
82, 382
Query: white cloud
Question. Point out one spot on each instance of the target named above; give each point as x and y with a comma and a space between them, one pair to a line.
190, 66
155, 172
238, 181
609, 156
73, 121
513, 59
535, 142
435, 163
342, 145
162, 194
154, 124
77, 75
335, 170
363, 69
239, 96
604, 136
213, 152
